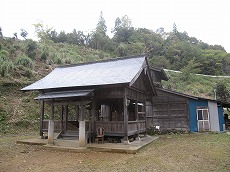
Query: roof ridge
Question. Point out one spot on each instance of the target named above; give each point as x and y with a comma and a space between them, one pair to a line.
101, 61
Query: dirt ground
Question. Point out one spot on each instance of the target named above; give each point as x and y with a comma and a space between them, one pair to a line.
188, 152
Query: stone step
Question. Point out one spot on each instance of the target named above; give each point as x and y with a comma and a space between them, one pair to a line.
69, 135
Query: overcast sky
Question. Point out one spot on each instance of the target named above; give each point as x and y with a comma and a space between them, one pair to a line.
207, 20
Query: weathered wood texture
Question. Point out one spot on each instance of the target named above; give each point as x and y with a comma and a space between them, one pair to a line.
57, 125
154, 76
116, 128
170, 111
110, 92
134, 94
71, 125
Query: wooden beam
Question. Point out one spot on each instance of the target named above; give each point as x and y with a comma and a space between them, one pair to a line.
42, 117
69, 103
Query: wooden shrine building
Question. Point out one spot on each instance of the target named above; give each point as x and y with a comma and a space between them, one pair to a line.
111, 94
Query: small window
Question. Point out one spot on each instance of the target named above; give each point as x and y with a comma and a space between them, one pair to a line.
200, 117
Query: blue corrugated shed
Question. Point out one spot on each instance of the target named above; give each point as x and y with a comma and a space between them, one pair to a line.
221, 118
192, 112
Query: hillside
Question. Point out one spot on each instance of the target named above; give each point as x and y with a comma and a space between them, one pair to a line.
197, 85
23, 62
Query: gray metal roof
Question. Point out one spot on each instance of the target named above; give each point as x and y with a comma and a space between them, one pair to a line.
64, 94
114, 71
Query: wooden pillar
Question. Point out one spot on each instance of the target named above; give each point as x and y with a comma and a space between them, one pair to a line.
51, 125
42, 117
77, 112
82, 140
136, 110
66, 116
125, 104
137, 119
93, 126
145, 117
61, 117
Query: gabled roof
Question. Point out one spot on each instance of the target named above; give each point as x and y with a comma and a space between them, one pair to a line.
113, 71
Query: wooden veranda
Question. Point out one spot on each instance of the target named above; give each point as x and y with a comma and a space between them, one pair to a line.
119, 110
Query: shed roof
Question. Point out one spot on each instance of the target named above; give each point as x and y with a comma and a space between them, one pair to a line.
224, 104
64, 94
160, 72
113, 71
177, 93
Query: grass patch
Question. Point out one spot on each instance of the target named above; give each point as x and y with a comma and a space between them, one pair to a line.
176, 152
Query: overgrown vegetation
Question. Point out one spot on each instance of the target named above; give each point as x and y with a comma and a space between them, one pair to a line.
16, 113
197, 85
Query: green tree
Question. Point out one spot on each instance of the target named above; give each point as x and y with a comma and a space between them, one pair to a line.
24, 33
123, 29
62, 37
99, 39
1, 35
191, 68
31, 48
42, 31
222, 93
101, 25
159, 61
211, 61
175, 28
15, 35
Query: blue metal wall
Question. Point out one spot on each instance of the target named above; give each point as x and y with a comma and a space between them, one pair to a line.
192, 112
221, 117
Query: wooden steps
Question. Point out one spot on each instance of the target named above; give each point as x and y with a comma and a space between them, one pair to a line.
69, 135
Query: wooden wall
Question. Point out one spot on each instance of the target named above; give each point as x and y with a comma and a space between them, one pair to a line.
169, 111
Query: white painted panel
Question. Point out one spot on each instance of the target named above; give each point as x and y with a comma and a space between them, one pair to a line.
214, 118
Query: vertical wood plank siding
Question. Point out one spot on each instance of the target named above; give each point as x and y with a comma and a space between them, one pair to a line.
170, 111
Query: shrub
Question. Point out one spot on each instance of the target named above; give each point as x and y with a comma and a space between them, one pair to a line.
31, 49
3, 116
68, 60
57, 59
4, 54
44, 55
23, 71
3, 121
24, 61
6, 67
